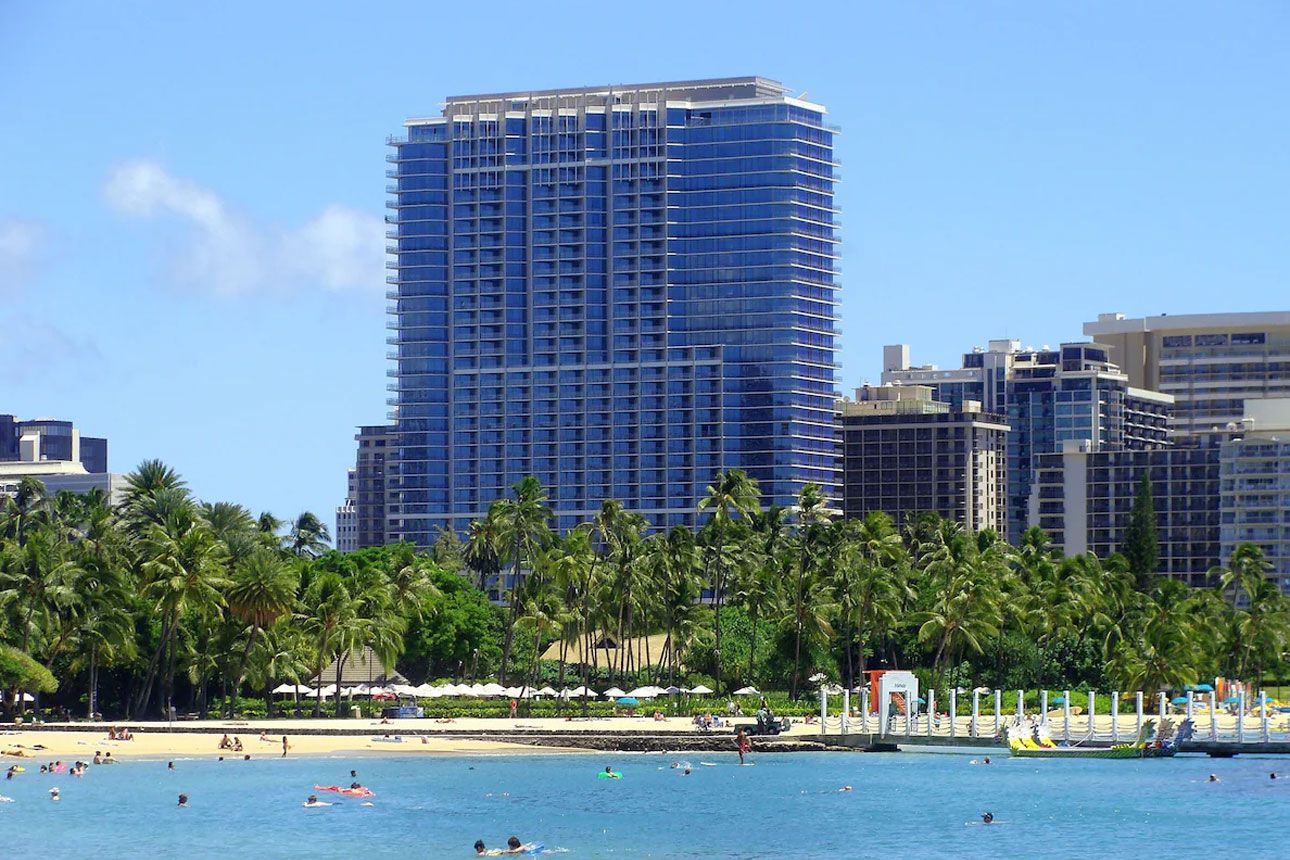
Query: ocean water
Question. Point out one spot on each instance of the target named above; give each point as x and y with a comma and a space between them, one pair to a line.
785, 805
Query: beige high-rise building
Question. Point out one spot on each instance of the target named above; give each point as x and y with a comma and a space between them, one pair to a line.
1210, 363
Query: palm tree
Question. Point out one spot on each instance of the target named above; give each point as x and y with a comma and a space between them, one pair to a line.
182, 566
870, 583
731, 495
308, 536
483, 550
964, 606
262, 591
758, 578
813, 517
327, 608
523, 526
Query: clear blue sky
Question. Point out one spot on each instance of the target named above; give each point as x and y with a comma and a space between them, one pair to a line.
190, 193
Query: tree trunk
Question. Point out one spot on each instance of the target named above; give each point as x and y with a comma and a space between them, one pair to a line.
94, 680
514, 614
318, 681
241, 670
340, 668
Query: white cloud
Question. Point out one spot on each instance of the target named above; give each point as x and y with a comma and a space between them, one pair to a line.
20, 243
229, 254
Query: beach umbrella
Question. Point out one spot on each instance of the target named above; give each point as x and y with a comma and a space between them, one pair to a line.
1232, 700
628, 700
289, 689
645, 692
1178, 700
547, 691
672, 691
360, 689
1204, 688
453, 690
495, 689
1058, 700
26, 697
699, 691
614, 692
748, 691
404, 689
580, 693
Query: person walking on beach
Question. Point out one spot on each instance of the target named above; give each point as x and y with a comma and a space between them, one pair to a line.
285, 746
515, 706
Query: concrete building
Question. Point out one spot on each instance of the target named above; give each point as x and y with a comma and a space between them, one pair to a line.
1048, 396
905, 453
56, 454
620, 290
370, 484
1255, 486
1210, 363
48, 439
347, 516
1082, 498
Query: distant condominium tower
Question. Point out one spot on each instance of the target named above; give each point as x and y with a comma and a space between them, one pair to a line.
1211, 363
620, 290
1048, 396
906, 454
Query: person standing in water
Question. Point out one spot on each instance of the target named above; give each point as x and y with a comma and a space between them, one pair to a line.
183, 801
285, 746
741, 742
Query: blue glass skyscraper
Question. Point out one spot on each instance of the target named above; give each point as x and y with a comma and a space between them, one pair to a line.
619, 290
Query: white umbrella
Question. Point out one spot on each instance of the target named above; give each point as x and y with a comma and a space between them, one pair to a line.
494, 689
672, 691
645, 692
361, 690
26, 697
580, 692
474, 690
614, 693
546, 691
321, 692
290, 688
748, 691
449, 690
425, 691
699, 691
512, 692
404, 689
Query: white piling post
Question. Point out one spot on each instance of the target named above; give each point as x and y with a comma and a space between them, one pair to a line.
1213, 716
1162, 700
1240, 718
1191, 703
911, 709
1021, 706
976, 713
1115, 716
846, 710
998, 711
1092, 712
864, 710
1043, 707
954, 710
1066, 715
1263, 714
931, 710
824, 708
1137, 710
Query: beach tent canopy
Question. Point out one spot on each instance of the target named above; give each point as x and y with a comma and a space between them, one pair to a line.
614, 692
1200, 688
629, 701
1059, 700
672, 691
748, 691
648, 692
290, 689
547, 691
580, 693
700, 691
1178, 700
359, 667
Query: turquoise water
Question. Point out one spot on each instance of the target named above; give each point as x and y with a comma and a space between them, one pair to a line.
902, 805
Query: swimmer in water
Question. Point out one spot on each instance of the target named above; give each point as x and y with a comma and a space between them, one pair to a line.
987, 817
1272, 775
986, 760
514, 846
609, 770
183, 801
170, 765
313, 801
844, 788
53, 793
480, 848
1213, 777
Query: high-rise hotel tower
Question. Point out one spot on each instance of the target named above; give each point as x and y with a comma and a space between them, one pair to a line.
620, 290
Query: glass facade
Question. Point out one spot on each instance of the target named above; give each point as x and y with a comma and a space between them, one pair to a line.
621, 292
1255, 492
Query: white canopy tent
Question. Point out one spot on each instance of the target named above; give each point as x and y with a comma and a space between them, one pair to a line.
699, 691
290, 689
748, 691
614, 693
580, 693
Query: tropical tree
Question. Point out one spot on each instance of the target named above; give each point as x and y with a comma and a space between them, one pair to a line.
523, 526
731, 496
